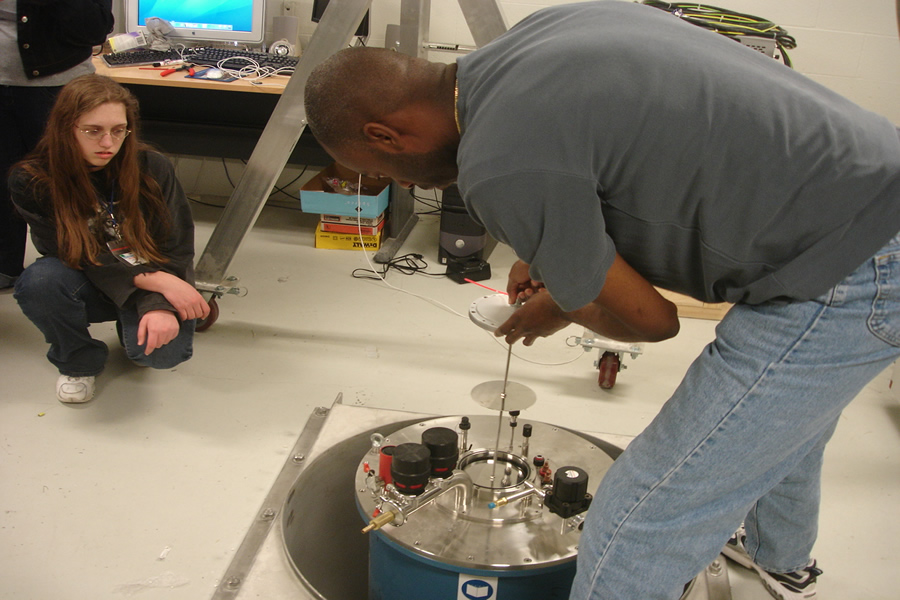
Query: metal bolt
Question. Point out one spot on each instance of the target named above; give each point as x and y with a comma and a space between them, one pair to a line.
299, 458
233, 582
268, 514
320, 411
715, 568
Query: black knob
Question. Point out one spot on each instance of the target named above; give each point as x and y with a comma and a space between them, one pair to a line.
443, 443
464, 424
526, 430
410, 468
569, 495
538, 460
570, 484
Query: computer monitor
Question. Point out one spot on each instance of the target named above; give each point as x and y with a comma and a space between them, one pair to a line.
319, 9
240, 21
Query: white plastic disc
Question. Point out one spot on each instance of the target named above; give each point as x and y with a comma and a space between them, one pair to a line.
490, 312
518, 396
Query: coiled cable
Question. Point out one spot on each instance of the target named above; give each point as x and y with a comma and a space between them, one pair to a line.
730, 23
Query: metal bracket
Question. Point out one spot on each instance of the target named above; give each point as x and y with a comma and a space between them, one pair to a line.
220, 289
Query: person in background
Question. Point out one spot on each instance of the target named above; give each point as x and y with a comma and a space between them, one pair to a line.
116, 236
44, 45
617, 148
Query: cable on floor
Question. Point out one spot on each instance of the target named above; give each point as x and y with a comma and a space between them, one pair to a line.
411, 264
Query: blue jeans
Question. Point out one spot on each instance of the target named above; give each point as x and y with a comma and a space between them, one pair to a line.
742, 439
62, 303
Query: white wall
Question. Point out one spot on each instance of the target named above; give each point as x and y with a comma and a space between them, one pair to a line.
850, 46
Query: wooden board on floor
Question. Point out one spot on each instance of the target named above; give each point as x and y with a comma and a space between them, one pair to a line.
694, 309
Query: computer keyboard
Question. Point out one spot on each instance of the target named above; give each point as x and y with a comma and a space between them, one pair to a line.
207, 56
237, 59
142, 56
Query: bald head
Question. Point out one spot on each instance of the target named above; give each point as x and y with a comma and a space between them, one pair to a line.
360, 85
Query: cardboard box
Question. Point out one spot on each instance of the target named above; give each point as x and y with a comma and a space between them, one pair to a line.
317, 196
364, 221
352, 229
346, 241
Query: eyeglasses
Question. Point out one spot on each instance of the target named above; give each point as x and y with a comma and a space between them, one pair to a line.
96, 134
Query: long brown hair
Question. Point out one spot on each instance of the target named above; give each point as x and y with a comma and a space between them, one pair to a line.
58, 168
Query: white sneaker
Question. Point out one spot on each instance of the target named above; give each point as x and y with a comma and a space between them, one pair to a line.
74, 390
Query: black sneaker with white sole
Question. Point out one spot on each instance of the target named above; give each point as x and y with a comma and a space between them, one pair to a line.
796, 585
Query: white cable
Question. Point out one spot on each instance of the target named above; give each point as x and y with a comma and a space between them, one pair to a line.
376, 271
426, 298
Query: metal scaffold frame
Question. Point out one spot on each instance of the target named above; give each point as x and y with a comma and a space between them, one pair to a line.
288, 120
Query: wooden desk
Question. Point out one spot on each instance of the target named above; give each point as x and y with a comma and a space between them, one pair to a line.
201, 117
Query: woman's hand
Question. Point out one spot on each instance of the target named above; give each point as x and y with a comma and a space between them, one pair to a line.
180, 294
156, 329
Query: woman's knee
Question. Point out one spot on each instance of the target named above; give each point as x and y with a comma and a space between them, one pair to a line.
45, 283
47, 275
168, 356
163, 358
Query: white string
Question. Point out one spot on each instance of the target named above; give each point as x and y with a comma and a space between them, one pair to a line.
426, 298
376, 271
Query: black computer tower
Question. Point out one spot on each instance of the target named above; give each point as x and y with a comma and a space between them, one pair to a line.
464, 243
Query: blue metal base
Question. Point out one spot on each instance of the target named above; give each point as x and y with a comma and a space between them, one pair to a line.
398, 574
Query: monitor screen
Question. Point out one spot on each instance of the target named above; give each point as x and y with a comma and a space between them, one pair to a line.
318, 10
202, 20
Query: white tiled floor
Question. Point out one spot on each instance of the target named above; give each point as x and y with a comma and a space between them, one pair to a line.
148, 490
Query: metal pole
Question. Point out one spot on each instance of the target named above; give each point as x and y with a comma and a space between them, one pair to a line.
485, 19
275, 145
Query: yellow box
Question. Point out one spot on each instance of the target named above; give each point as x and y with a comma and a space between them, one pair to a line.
346, 241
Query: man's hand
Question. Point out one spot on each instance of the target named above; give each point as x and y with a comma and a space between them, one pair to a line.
520, 285
180, 294
156, 329
538, 317
628, 309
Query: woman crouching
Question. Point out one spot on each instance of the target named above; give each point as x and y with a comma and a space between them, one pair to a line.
115, 235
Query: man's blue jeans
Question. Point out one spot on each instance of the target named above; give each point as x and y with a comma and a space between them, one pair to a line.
63, 303
742, 439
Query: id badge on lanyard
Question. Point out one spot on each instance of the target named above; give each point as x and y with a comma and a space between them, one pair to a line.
119, 248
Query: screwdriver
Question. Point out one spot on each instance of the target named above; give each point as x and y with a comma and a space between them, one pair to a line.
186, 67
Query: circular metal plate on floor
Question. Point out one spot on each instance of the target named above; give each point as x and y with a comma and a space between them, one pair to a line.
518, 396
490, 312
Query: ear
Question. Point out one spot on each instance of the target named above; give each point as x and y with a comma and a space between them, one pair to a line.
383, 137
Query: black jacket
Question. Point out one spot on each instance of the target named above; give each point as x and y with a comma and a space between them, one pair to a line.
112, 277
56, 35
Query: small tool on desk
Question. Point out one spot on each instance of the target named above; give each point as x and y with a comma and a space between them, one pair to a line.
185, 67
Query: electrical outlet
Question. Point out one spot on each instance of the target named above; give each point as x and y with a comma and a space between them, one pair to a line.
290, 8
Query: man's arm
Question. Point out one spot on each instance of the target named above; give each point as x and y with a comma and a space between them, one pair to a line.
628, 308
